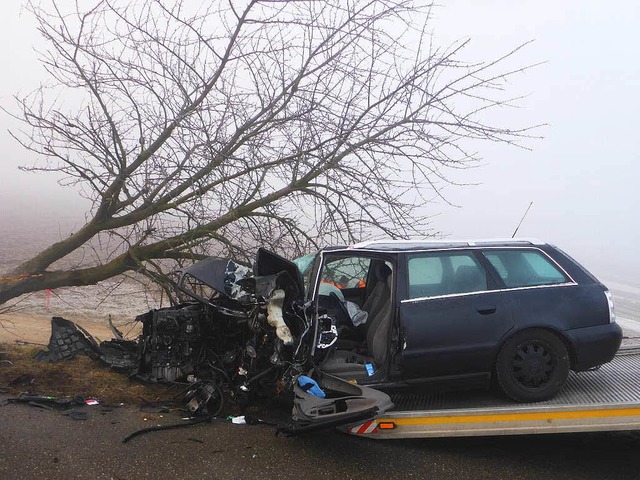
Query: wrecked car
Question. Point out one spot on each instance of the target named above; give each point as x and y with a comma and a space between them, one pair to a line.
520, 313
335, 330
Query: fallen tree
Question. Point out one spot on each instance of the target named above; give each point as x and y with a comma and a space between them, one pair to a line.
232, 125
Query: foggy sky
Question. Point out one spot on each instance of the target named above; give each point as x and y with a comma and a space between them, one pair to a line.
582, 176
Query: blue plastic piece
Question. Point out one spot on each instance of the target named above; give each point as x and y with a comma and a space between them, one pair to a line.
310, 386
369, 367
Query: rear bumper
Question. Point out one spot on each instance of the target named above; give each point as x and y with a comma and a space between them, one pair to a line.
594, 346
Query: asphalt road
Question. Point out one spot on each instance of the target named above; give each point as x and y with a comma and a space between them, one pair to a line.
44, 444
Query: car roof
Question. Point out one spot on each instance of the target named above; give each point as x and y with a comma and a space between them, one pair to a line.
437, 244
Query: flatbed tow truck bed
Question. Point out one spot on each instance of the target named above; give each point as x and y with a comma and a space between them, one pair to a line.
606, 399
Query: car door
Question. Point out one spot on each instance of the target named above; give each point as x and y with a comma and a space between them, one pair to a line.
326, 401
322, 400
542, 294
452, 315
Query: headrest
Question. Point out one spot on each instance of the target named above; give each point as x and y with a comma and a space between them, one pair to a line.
467, 272
382, 271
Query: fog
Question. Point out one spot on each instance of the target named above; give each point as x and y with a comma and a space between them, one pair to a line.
581, 175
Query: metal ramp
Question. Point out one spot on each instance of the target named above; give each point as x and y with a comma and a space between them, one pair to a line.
602, 400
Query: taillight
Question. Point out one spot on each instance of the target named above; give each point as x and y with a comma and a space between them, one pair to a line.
612, 312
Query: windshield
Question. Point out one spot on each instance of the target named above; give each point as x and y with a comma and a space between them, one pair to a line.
305, 265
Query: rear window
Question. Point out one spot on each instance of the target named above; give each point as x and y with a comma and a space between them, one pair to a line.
525, 268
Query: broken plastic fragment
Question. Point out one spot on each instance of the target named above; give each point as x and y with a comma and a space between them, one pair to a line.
67, 340
92, 401
274, 317
116, 333
76, 414
239, 420
328, 332
233, 276
310, 386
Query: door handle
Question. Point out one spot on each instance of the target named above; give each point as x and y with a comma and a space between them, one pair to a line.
486, 310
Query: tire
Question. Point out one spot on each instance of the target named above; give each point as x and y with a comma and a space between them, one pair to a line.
532, 366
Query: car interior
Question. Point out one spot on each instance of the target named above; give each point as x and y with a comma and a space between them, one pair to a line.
349, 289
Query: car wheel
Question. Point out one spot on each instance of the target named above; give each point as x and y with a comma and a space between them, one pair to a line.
532, 366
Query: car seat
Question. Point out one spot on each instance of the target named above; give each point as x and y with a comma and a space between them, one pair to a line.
348, 363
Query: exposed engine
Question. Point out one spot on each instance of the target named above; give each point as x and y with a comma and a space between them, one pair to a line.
206, 341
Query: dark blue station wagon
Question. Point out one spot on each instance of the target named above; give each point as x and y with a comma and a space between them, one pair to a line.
521, 312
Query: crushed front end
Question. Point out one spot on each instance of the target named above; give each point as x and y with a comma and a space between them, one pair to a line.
240, 335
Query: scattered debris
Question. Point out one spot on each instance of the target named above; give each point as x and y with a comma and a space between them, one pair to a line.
76, 414
238, 420
157, 428
48, 400
311, 386
73, 407
67, 340
68, 405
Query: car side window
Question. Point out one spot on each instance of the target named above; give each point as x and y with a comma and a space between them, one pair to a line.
432, 274
348, 272
525, 268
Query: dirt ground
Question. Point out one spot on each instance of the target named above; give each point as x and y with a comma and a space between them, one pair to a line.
33, 328
23, 335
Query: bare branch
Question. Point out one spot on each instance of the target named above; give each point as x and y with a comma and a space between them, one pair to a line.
220, 127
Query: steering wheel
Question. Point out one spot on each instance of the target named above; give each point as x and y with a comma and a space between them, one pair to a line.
341, 306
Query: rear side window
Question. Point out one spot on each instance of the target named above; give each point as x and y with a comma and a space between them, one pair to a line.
432, 274
525, 268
